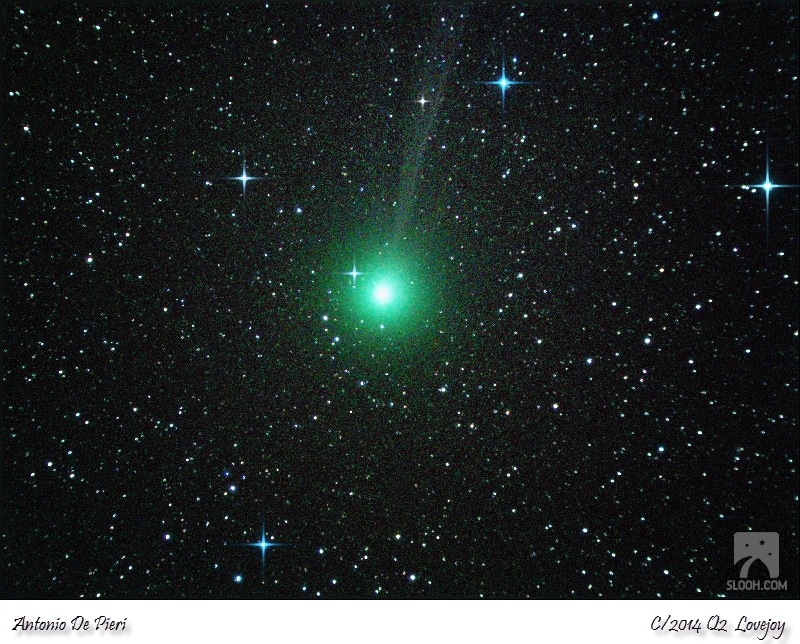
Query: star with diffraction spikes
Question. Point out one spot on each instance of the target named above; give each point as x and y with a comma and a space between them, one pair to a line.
767, 186
354, 273
264, 545
244, 178
504, 82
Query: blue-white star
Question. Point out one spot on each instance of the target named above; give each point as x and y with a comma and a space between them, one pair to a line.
504, 82
244, 179
768, 186
354, 273
264, 545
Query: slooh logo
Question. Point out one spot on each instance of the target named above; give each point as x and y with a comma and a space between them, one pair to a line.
755, 546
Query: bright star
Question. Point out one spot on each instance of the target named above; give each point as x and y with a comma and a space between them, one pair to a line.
264, 545
354, 273
244, 179
767, 186
504, 82
423, 101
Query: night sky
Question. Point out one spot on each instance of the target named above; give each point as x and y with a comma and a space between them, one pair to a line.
535, 335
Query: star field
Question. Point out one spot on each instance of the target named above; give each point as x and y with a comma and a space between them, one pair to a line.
458, 302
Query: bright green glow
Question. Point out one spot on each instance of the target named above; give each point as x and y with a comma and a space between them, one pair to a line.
385, 300
381, 300
383, 293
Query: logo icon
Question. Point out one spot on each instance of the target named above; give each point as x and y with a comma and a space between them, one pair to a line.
755, 546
